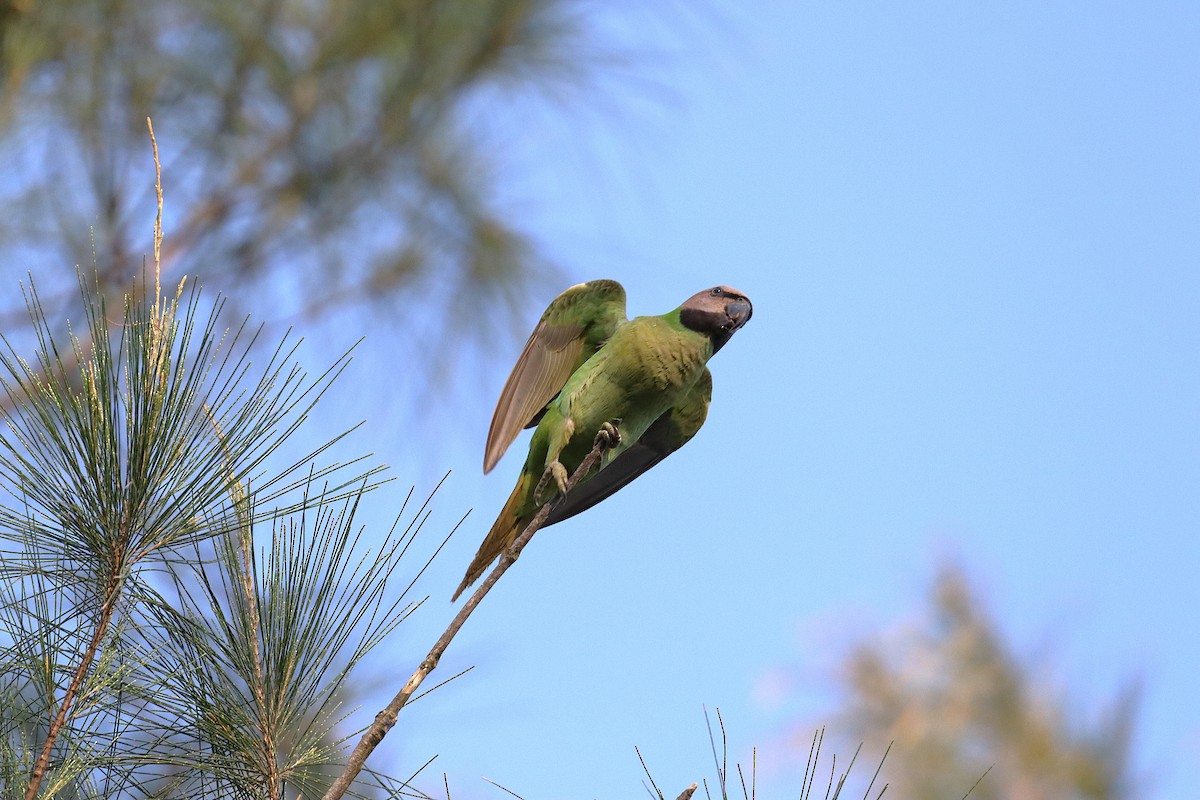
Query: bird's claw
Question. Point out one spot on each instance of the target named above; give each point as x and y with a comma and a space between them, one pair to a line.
555, 472
608, 436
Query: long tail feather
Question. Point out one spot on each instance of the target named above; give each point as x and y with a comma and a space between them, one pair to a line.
504, 532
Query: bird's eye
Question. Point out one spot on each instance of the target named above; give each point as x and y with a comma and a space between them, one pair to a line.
716, 292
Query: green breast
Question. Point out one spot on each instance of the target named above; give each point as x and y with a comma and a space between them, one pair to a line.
646, 366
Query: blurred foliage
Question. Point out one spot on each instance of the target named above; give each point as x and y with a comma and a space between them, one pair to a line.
317, 153
956, 702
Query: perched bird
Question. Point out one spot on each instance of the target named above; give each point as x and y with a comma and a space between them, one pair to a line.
585, 366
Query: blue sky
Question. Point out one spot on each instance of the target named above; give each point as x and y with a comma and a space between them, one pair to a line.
972, 239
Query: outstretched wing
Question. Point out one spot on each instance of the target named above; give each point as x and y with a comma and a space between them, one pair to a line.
665, 435
576, 324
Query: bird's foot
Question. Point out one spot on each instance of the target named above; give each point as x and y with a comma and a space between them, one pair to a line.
556, 473
608, 436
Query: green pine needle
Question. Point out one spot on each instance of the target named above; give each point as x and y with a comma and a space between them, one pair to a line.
153, 640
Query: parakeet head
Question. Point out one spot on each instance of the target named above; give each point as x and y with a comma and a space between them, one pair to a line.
717, 313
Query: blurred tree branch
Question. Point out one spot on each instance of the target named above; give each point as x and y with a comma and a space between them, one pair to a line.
956, 701
324, 153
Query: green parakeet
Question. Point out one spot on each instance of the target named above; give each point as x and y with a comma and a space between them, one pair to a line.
586, 365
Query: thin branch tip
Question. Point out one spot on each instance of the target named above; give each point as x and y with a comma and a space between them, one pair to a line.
385, 720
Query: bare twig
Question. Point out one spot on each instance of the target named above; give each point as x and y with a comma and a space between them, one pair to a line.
386, 718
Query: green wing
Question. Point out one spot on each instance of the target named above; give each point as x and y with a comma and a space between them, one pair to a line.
665, 435
576, 324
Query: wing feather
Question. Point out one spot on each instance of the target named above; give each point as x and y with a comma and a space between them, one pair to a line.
576, 324
538, 376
